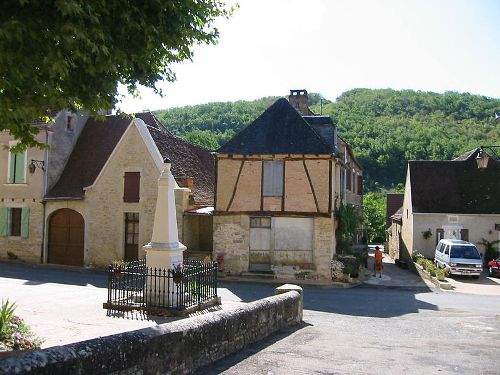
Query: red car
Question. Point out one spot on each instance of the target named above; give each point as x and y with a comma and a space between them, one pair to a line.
494, 267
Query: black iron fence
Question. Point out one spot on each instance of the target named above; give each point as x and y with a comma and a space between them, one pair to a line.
134, 286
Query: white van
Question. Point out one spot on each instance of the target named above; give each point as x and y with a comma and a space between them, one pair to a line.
458, 258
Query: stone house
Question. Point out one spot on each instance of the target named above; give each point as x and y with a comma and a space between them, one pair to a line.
277, 184
446, 199
99, 206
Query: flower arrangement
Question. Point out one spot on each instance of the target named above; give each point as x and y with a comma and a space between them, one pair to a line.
15, 334
427, 234
177, 272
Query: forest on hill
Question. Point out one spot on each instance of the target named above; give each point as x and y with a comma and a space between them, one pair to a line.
384, 127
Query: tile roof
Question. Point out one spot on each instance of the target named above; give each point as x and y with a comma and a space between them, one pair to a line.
93, 148
394, 202
455, 186
98, 140
279, 130
188, 160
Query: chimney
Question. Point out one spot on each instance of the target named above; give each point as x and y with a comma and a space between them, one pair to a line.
298, 100
187, 182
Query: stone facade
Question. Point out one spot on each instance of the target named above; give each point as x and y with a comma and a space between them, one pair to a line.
103, 207
231, 240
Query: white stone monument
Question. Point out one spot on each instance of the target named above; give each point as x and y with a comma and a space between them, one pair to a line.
164, 251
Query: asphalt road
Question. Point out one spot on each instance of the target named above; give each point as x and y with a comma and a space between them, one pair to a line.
376, 330
369, 329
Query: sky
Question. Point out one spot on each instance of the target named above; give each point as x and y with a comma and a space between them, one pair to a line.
330, 46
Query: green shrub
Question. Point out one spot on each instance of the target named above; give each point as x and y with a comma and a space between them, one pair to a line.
490, 253
14, 333
415, 255
351, 264
441, 274
431, 268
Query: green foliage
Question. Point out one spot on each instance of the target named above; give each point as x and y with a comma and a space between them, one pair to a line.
490, 252
351, 264
223, 120
348, 222
415, 256
6, 313
431, 268
386, 128
374, 216
441, 274
73, 53
427, 234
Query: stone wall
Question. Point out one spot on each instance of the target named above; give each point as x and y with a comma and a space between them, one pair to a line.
179, 347
232, 239
324, 246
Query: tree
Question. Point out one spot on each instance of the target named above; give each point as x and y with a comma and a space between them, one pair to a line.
73, 53
374, 210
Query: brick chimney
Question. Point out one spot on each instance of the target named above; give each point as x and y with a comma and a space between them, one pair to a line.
298, 100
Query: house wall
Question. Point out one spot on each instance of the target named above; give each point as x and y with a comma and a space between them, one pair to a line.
306, 187
407, 222
393, 241
296, 243
62, 141
479, 226
103, 208
27, 195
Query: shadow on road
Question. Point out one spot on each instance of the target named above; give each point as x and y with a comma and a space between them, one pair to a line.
44, 274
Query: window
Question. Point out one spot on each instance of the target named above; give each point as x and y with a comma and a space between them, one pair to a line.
131, 236
273, 178
464, 234
14, 221
439, 235
348, 180
17, 167
131, 186
360, 185
260, 222
69, 123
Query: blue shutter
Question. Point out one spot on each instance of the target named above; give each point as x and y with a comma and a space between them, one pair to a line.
25, 222
4, 221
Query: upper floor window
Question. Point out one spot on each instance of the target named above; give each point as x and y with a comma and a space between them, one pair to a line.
273, 178
348, 179
131, 186
360, 185
14, 221
17, 166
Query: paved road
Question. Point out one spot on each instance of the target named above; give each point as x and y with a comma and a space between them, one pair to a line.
377, 330
371, 329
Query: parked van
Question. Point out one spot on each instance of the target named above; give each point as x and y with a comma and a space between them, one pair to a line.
458, 258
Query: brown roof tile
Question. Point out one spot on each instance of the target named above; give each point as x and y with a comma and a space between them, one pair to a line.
98, 140
93, 148
455, 186
188, 160
394, 202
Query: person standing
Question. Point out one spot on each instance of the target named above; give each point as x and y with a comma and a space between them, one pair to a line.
379, 264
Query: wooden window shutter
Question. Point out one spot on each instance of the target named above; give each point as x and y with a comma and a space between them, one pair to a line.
16, 173
360, 185
464, 234
273, 178
4, 221
348, 180
25, 222
131, 186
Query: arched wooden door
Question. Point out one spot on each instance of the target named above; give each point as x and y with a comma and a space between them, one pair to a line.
66, 235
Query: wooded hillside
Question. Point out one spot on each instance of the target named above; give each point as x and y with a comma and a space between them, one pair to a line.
384, 127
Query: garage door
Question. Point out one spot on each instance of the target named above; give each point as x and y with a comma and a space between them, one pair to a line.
66, 234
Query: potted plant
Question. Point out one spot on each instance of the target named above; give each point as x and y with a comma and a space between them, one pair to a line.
177, 272
427, 234
15, 335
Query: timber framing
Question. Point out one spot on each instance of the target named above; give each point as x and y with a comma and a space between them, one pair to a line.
273, 213
311, 185
235, 186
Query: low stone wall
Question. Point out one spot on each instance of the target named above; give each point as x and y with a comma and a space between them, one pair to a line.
179, 347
